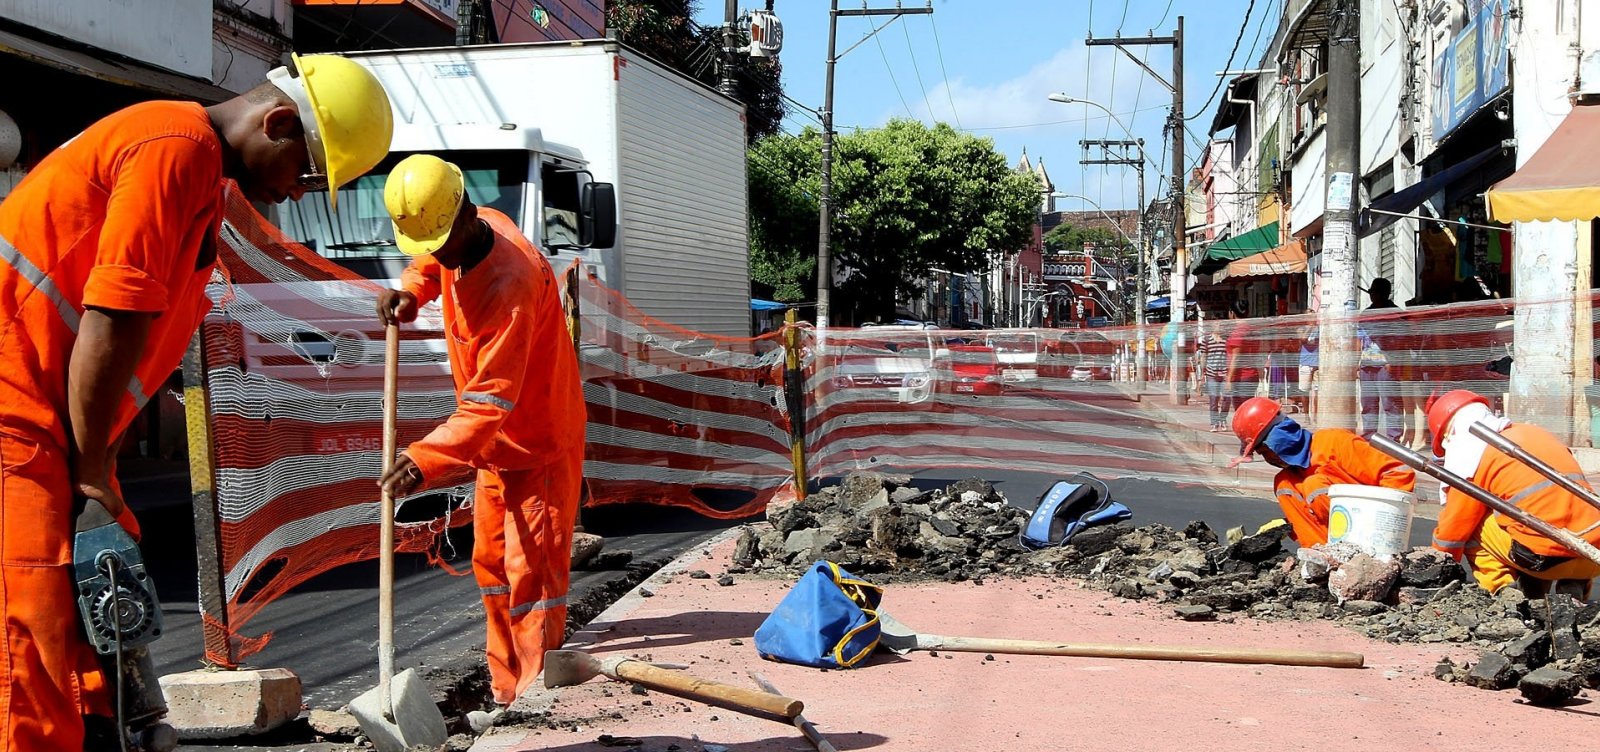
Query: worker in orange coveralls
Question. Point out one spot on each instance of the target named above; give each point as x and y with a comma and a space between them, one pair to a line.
1311, 462
1502, 551
105, 251
519, 415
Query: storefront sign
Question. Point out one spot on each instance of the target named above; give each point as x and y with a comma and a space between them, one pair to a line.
1473, 68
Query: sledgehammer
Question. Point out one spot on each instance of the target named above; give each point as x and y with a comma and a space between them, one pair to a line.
564, 668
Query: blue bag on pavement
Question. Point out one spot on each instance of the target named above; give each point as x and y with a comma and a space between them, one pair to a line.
1069, 507
828, 620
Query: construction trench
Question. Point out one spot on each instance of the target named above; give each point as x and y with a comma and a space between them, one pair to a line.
965, 535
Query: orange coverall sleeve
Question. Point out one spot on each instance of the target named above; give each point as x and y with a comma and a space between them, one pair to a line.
162, 186
1459, 522
421, 279
499, 368
1382, 470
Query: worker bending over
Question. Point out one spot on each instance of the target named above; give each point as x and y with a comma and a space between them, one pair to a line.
105, 251
519, 415
1311, 462
1502, 551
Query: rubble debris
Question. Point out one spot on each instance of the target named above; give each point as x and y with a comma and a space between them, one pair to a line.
1493, 671
1195, 613
725, 580
699, 574
881, 527
1549, 686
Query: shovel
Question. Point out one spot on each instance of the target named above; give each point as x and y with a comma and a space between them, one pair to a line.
902, 639
564, 668
398, 714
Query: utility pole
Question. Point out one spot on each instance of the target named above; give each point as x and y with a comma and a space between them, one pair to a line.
1336, 315
730, 48
1180, 255
825, 226
1116, 152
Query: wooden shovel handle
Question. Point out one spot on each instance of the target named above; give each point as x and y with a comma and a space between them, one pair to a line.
1328, 658
640, 672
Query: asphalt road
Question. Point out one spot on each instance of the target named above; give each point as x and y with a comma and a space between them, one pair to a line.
326, 630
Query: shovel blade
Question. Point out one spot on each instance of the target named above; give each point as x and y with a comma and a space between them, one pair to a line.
896, 636
564, 668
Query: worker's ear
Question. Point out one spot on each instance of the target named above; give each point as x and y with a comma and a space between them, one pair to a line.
280, 122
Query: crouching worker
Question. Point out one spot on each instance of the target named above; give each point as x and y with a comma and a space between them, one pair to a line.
519, 414
1502, 551
1311, 462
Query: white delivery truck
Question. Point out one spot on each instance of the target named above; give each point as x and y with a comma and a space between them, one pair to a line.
563, 137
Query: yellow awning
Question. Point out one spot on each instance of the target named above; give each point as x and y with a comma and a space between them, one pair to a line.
1562, 180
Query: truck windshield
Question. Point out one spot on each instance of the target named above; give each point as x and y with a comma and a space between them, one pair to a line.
361, 228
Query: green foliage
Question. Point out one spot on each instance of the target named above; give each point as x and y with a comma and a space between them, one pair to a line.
785, 177
1068, 238
663, 29
907, 198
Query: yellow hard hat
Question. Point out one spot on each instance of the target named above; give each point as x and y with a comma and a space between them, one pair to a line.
345, 113
423, 195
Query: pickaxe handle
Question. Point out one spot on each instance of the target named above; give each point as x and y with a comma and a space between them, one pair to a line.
640, 672
1329, 658
1539, 525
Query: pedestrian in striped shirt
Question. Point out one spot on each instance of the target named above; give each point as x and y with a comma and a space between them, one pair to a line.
1213, 352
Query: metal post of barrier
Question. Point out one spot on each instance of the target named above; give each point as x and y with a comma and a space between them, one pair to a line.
794, 384
575, 329
207, 524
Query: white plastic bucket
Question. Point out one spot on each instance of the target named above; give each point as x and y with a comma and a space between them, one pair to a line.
1378, 520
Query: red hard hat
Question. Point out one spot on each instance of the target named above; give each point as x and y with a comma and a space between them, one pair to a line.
1251, 421
1441, 410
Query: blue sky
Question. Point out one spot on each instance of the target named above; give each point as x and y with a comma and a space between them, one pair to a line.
1003, 57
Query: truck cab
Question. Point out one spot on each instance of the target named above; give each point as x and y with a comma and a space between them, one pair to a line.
546, 189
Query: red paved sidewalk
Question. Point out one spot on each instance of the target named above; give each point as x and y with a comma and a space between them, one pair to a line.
966, 702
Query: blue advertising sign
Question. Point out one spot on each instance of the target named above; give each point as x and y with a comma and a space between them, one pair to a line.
1473, 68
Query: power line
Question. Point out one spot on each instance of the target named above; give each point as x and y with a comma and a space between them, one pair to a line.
940, 48
892, 78
904, 28
1229, 66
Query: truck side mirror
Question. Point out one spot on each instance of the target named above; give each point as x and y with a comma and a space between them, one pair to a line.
597, 215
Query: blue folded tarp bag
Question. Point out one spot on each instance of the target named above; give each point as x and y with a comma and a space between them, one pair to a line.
1068, 508
828, 620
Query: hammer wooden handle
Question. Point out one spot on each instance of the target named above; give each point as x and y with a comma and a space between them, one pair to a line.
640, 672
1329, 658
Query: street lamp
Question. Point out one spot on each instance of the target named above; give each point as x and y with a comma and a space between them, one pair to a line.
1061, 97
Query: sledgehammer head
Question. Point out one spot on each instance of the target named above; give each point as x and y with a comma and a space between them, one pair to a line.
416, 719
564, 668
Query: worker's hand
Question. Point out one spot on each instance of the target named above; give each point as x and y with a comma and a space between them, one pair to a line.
401, 479
396, 307
100, 489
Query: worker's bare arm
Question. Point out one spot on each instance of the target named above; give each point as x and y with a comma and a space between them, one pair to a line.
102, 364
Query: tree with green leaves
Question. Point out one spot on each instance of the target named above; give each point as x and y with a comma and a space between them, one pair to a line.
1070, 238
785, 176
908, 198
665, 30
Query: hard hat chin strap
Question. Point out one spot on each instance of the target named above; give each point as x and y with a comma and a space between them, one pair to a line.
295, 88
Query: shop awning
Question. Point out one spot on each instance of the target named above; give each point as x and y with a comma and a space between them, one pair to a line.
1289, 258
1259, 240
1406, 200
757, 304
1562, 180
116, 71
1157, 303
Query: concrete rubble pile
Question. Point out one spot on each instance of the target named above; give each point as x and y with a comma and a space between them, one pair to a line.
878, 525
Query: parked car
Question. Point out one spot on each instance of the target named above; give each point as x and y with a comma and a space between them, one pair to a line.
973, 369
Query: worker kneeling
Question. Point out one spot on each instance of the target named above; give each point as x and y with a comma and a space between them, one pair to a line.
519, 414
1502, 551
1309, 463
